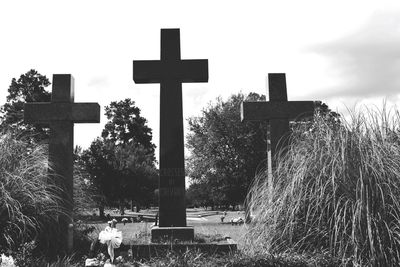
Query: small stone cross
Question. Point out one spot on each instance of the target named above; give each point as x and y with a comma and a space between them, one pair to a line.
61, 113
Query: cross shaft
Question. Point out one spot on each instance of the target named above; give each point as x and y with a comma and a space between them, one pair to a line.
171, 72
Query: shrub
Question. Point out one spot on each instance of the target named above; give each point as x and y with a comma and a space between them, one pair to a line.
336, 191
82, 238
29, 203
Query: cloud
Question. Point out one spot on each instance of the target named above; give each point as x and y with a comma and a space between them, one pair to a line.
367, 62
194, 96
99, 81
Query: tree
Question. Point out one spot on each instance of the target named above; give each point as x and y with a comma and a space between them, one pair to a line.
30, 87
122, 162
197, 195
225, 152
125, 125
85, 194
96, 160
141, 177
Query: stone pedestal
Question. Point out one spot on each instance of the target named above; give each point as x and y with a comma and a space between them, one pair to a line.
167, 234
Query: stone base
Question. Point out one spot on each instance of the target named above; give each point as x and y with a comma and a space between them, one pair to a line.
147, 251
168, 234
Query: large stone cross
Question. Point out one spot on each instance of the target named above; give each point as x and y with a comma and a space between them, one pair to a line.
278, 111
61, 114
171, 71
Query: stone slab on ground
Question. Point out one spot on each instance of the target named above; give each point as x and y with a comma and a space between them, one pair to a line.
160, 234
146, 251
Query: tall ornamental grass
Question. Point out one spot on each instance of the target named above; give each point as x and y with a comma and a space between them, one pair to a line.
335, 192
29, 202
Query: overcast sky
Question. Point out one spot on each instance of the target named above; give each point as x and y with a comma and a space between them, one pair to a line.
340, 52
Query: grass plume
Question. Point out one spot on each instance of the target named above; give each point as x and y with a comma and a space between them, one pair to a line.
336, 191
29, 202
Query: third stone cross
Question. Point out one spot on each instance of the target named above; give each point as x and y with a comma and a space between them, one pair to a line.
278, 111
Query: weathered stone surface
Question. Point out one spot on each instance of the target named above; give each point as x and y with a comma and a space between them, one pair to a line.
151, 250
75, 112
171, 72
167, 234
61, 113
278, 111
259, 111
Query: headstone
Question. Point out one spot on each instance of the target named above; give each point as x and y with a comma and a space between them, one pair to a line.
61, 114
170, 72
278, 111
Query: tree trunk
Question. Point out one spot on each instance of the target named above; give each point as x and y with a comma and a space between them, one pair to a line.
132, 206
101, 211
137, 207
122, 207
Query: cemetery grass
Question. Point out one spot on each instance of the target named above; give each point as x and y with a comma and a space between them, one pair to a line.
335, 200
210, 229
29, 200
336, 192
207, 228
32, 208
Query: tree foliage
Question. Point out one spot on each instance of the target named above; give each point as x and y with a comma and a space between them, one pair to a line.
121, 163
85, 194
125, 125
225, 152
30, 87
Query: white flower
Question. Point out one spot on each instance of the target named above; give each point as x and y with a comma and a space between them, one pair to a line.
92, 262
7, 261
119, 259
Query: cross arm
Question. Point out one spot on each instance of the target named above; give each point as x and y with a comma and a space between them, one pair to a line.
155, 71
261, 111
194, 70
75, 112
147, 71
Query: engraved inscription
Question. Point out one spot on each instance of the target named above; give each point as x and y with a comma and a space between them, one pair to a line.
172, 192
172, 172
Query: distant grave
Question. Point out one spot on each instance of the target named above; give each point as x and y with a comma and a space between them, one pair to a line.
61, 114
170, 72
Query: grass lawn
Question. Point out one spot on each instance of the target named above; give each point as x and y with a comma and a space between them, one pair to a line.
203, 222
207, 223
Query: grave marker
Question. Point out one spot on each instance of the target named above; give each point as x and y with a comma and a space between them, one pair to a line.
170, 72
61, 113
278, 111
